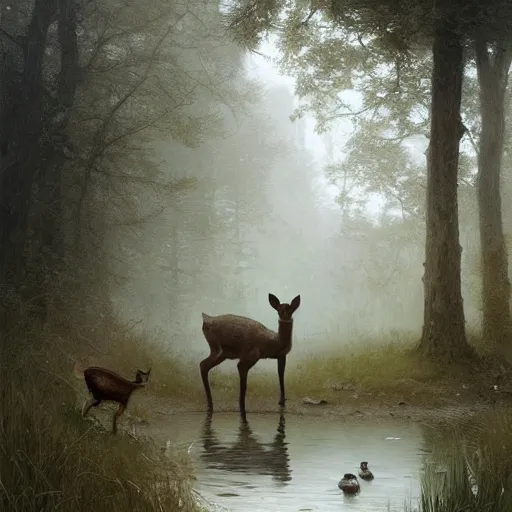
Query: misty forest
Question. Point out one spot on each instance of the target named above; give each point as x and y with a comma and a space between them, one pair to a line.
255, 254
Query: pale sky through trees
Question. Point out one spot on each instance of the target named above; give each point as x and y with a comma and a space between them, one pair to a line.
267, 72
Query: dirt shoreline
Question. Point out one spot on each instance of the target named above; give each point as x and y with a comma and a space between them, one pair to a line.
370, 411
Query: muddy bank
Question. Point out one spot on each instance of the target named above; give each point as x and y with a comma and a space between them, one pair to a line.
458, 395
371, 411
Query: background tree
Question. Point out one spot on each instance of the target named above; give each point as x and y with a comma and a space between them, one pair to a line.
85, 89
493, 58
394, 112
398, 32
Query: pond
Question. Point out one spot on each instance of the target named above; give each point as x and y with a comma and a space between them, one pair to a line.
294, 462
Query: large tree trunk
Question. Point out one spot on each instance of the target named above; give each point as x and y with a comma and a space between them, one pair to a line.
444, 334
47, 212
20, 135
492, 78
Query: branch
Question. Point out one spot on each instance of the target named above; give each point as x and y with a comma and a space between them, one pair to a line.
472, 141
312, 12
99, 138
335, 115
142, 219
466, 182
135, 130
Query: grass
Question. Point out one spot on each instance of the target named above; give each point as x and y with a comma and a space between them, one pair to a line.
364, 370
471, 467
358, 370
369, 370
53, 460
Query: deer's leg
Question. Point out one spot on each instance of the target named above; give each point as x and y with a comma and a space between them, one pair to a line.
214, 359
243, 369
92, 402
119, 412
281, 365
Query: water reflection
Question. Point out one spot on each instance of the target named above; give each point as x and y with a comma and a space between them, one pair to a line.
250, 466
247, 454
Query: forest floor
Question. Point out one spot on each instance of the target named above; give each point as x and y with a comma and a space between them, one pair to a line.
440, 402
382, 380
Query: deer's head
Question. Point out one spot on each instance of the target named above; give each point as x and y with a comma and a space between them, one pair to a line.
285, 311
141, 376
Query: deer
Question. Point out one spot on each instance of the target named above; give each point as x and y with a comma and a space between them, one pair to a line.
106, 385
238, 337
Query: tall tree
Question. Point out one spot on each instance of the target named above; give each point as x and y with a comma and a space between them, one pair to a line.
493, 64
397, 29
85, 88
394, 111
443, 325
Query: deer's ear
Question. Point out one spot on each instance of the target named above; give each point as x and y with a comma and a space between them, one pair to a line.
273, 301
295, 303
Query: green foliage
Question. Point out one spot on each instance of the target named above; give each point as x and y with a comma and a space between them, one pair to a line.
369, 62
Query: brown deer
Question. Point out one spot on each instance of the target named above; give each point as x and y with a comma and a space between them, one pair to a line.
238, 337
106, 385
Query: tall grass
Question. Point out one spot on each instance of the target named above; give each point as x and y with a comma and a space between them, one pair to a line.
471, 468
53, 460
366, 369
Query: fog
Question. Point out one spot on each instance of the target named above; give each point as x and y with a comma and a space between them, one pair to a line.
260, 214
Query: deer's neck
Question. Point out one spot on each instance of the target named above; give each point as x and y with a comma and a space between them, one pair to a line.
284, 334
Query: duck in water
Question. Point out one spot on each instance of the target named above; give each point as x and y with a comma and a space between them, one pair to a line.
349, 484
364, 472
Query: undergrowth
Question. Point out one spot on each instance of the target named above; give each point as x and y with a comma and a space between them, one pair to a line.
470, 468
51, 459
364, 369
360, 369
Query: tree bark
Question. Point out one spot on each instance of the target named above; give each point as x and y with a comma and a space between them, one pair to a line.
24, 130
20, 136
444, 335
493, 78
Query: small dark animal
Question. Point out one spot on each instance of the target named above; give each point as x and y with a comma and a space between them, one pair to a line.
364, 472
238, 337
106, 385
349, 484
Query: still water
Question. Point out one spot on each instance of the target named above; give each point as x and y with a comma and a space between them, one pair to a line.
294, 462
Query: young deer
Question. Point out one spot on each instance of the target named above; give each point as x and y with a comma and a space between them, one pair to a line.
238, 337
106, 385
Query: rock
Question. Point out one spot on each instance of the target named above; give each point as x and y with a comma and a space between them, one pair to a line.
314, 401
343, 386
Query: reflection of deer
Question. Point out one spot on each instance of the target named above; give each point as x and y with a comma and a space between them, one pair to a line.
238, 337
247, 454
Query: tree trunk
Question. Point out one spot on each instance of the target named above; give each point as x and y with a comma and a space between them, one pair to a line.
492, 78
444, 334
20, 135
47, 211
